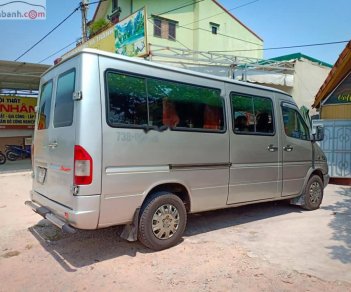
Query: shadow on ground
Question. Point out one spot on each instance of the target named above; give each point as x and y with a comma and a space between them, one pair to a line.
88, 247
341, 226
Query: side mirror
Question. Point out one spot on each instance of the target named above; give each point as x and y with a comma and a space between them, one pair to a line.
319, 134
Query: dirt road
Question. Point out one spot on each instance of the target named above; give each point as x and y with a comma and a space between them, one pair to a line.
267, 247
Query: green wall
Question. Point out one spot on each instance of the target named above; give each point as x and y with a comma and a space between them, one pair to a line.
194, 34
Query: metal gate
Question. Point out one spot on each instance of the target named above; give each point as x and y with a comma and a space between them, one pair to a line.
336, 146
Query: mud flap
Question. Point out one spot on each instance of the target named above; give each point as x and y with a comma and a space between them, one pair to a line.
130, 231
298, 201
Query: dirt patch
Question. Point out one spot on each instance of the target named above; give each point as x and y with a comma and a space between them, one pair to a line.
212, 257
10, 254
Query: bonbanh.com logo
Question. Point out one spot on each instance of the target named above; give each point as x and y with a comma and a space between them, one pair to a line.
23, 10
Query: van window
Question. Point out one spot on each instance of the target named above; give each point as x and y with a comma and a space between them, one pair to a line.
137, 101
127, 100
64, 104
252, 114
294, 124
45, 106
184, 106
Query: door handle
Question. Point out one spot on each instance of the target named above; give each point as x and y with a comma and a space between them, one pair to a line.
53, 145
272, 148
288, 148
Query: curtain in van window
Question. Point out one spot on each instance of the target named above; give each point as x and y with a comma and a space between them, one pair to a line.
137, 101
252, 114
64, 104
180, 105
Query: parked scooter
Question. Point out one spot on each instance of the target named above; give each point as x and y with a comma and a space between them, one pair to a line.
2, 158
13, 152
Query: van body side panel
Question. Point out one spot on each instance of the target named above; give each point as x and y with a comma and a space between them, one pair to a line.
135, 161
255, 173
296, 166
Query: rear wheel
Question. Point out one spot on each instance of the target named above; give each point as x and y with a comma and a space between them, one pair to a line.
12, 156
162, 221
313, 193
2, 158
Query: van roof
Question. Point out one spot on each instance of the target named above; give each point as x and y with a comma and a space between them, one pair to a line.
167, 67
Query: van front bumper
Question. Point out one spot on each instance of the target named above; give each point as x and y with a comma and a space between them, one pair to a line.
84, 215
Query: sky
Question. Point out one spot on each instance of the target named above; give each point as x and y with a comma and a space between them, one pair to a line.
279, 23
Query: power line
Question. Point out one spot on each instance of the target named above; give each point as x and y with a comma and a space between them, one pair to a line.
74, 11
180, 7
57, 26
231, 9
218, 33
53, 54
51, 31
96, 2
286, 47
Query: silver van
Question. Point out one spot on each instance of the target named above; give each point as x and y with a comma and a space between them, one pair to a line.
123, 141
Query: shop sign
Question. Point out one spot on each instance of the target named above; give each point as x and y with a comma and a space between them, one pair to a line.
17, 112
342, 93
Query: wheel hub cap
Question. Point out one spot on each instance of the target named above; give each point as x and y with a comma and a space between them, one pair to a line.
165, 221
315, 192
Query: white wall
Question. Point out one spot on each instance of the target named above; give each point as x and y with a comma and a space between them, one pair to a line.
308, 78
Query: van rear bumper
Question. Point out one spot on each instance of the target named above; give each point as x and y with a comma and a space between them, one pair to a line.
85, 214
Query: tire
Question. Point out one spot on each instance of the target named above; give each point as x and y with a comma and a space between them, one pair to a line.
313, 193
12, 156
2, 159
157, 234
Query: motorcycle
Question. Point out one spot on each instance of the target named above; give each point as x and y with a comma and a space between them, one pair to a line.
13, 152
2, 158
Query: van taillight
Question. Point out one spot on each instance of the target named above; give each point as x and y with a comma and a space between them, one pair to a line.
83, 166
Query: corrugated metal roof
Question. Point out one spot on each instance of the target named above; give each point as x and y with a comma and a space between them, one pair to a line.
339, 71
299, 56
20, 75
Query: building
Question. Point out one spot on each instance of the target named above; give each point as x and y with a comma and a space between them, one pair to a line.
19, 86
333, 101
139, 27
297, 74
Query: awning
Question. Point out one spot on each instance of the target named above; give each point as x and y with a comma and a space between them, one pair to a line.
269, 78
20, 75
341, 69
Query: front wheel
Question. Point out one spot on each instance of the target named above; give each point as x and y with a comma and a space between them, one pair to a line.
313, 193
2, 158
12, 156
162, 221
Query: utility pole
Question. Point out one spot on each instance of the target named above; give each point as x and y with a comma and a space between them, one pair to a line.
84, 9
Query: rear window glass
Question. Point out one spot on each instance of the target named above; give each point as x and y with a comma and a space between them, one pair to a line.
64, 104
45, 106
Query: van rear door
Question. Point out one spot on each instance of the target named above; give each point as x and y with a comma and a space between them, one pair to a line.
54, 137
